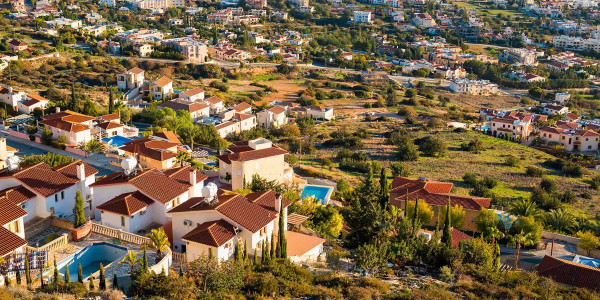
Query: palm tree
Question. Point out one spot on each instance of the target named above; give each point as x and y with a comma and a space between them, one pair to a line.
131, 259
525, 208
560, 220
518, 240
158, 241
494, 234
190, 133
182, 157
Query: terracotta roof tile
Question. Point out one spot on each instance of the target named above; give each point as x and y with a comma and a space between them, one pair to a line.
180, 104
70, 169
163, 81
570, 273
238, 208
110, 117
135, 70
151, 182
192, 92
43, 179
299, 244
10, 241
182, 174
434, 193
10, 203
242, 107
251, 154
268, 200
110, 125
126, 204
213, 233
214, 100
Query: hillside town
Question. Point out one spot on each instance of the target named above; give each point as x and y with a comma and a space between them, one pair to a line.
326, 149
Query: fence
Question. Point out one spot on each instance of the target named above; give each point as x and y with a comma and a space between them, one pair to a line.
180, 257
18, 134
50, 247
119, 234
560, 237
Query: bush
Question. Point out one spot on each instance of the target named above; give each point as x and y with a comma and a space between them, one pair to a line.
470, 178
490, 182
512, 161
473, 146
407, 151
596, 182
399, 169
548, 185
446, 274
572, 170
533, 171
434, 147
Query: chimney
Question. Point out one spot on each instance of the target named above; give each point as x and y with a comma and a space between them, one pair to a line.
10, 90
80, 171
193, 177
278, 199
57, 109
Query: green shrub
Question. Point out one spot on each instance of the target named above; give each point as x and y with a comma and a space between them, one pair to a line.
512, 161
533, 171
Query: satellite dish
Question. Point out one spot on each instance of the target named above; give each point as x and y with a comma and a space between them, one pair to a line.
13, 163
129, 165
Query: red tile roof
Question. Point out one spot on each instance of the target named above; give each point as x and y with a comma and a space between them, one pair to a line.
10, 241
180, 104
182, 174
126, 204
44, 180
163, 81
214, 100
246, 153
110, 117
299, 244
213, 233
135, 70
70, 169
151, 182
434, 193
237, 208
570, 273
10, 203
155, 147
110, 125
168, 135
458, 236
192, 92
268, 200
242, 107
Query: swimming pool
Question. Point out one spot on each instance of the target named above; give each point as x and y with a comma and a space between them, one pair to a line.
587, 261
90, 258
116, 141
322, 193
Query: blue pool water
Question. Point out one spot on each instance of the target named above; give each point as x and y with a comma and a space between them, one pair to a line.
90, 258
319, 192
116, 141
587, 261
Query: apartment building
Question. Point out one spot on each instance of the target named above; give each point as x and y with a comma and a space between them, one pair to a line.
573, 140
423, 20
244, 159
575, 43
363, 17
473, 87
191, 49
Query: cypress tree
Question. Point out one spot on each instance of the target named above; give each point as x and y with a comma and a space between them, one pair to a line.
416, 212
115, 284
102, 283
447, 234
18, 275
67, 275
92, 287
6, 281
145, 261
56, 276
383, 189
281, 242
239, 256
406, 203
210, 253
79, 273
79, 211
245, 251
27, 270
272, 252
255, 258
110, 102
180, 269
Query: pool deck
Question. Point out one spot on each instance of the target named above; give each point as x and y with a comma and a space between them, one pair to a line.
121, 269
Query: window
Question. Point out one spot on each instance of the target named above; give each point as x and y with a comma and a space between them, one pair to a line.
62, 195
56, 198
122, 221
143, 212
